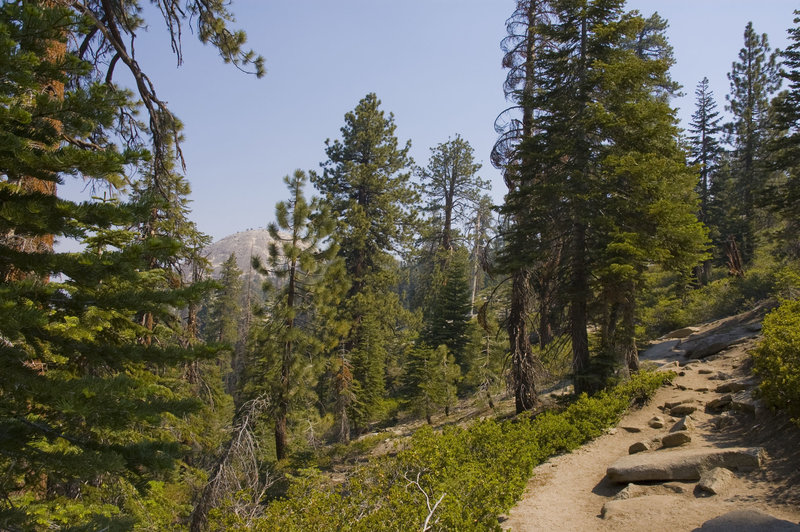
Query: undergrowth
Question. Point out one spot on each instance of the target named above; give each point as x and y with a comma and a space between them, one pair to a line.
459, 479
777, 359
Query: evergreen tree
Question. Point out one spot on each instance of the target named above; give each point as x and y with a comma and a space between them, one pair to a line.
585, 154
92, 417
431, 377
522, 47
753, 80
447, 320
298, 257
785, 147
224, 309
705, 153
97, 411
366, 183
451, 187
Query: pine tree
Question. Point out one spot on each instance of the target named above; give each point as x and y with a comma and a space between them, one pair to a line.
224, 308
96, 410
785, 147
522, 48
430, 380
753, 80
365, 180
451, 187
298, 257
446, 321
705, 153
600, 73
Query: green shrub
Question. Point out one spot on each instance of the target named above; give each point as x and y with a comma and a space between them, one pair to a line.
777, 359
474, 474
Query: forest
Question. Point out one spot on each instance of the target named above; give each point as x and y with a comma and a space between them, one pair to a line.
140, 392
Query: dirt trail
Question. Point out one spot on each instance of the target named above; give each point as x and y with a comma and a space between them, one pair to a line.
569, 491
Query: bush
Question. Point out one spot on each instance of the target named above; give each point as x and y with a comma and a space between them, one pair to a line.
777, 359
473, 474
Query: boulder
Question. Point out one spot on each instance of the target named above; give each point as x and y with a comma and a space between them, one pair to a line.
733, 387
682, 410
656, 422
705, 371
720, 403
744, 402
639, 447
683, 464
676, 439
684, 423
716, 481
747, 521
631, 429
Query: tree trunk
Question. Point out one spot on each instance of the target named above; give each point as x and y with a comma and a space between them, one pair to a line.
578, 310
522, 360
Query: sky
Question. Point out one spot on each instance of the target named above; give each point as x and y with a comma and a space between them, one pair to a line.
435, 64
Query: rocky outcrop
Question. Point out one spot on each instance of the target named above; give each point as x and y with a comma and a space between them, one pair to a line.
681, 464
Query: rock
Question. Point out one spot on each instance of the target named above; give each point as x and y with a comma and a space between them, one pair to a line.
682, 410
753, 327
744, 402
720, 403
631, 429
656, 422
681, 387
711, 346
689, 363
682, 464
676, 439
681, 333
724, 420
685, 423
638, 490
705, 371
659, 350
747, 521
639, 447
672, 404
612, 431
716, 481
720, 376
733, 387
701, 390
630, 491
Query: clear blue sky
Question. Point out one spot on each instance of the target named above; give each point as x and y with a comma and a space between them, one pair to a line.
434, 63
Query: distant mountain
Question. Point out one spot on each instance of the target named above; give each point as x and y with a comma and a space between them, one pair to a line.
244, 244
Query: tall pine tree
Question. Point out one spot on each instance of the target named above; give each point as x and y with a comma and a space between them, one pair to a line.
366, 182
753, 80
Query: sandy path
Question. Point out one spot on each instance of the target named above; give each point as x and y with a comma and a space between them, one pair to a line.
568, 492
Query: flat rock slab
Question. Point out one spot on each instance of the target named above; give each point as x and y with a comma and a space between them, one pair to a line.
747, 521
684, 464
660, 350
